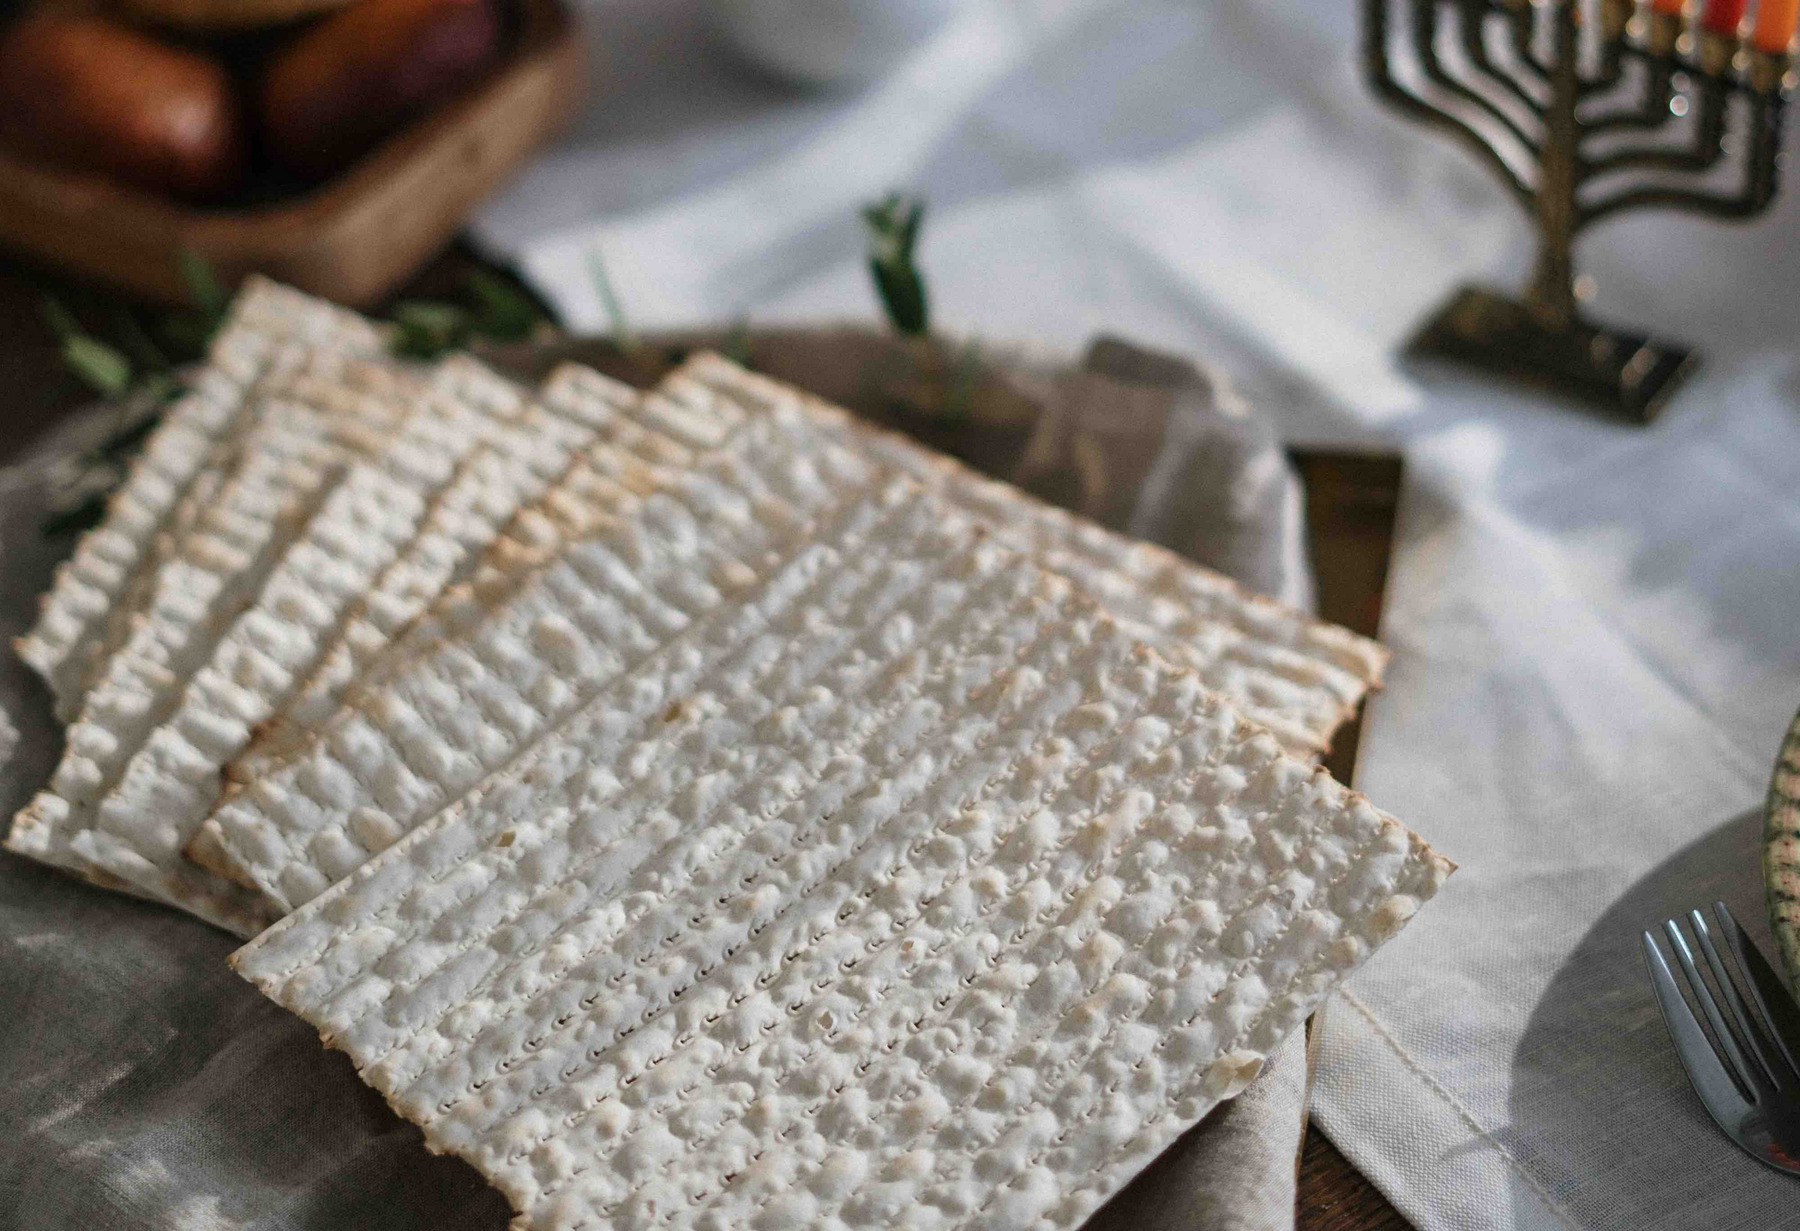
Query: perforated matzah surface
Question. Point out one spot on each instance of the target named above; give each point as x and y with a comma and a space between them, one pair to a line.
478, 506
620, 466
285, 482
318, 593
495, 671
490, 526
176, 770
1295, 674
268, 330
904, 891
634, 435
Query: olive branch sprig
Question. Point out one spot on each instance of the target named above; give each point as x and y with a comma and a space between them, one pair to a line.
892, 225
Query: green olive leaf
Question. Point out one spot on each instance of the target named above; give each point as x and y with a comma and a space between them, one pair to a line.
427, 328
502, 311
893, 224
105, 370
622, 335
205, 291
61, 321
137, 343
736, 346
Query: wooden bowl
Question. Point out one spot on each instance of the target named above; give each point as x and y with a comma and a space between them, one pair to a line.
224, 15
351, 239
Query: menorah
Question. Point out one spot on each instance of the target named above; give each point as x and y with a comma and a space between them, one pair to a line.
1585, 109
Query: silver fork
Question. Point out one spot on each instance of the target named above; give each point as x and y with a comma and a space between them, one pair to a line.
1745, 1072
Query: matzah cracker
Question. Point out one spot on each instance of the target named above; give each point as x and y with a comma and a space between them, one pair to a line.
953, 915
1294, 674
509, 519
1289, 671
650, 428
173, 782
176, 771
267, 328
605, 484
493, 677
269, 494
309, 396
288, 468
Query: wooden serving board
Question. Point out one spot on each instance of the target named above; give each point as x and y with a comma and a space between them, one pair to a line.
353, 238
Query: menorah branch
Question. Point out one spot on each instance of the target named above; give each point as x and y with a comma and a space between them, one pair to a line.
1424, 40
1746, 203
1521, 22
1659, 60
1472, 21
1703, 151
1650, 112
1761, 178
1615, 22
1382, 80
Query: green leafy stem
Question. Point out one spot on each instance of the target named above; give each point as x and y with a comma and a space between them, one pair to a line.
130, 367
137, 366
893, 225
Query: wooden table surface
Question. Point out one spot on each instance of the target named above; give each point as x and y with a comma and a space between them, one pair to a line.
1351, 507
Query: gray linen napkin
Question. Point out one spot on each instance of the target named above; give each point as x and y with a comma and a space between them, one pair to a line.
1163, 450
148, 1087
1234, 1171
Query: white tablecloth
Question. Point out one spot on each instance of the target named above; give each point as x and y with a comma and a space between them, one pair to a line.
1597, 626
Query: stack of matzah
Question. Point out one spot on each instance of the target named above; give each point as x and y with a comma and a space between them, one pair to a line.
695, 808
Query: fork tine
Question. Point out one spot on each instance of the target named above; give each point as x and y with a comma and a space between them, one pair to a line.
1750, 1027
1750, 1077
1779, 1009
1721, 1095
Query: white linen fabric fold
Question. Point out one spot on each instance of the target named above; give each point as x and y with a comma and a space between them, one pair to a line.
1594, 622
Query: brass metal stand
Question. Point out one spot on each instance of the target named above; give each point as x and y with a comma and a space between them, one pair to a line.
1583, 109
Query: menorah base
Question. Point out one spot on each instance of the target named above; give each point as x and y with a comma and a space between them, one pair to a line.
1626, 373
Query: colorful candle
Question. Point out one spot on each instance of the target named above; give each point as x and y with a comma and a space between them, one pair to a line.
1775, 23
1723, 16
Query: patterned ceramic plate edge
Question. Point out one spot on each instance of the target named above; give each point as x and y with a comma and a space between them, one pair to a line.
1781, 852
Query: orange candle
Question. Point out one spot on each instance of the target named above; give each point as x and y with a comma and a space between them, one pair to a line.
1723, 16
1670, 6
1775, 22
